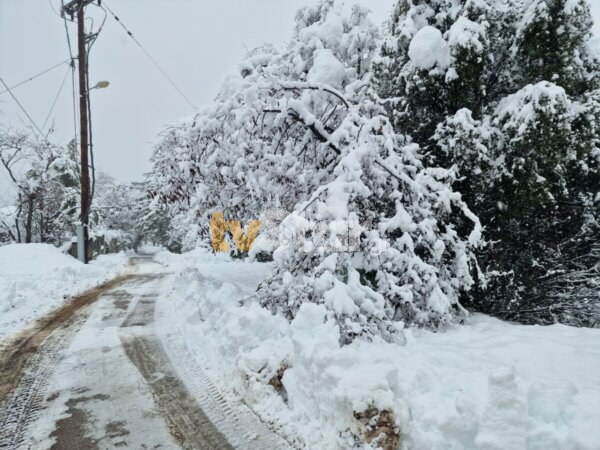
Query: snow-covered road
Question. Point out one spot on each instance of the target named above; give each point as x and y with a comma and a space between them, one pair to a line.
103, 378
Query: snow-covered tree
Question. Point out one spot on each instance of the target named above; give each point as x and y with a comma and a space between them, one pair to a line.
371, 232
46, 180
8, 224
126, 208
506, 93
236, 155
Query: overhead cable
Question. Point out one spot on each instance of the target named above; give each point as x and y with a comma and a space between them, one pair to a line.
22, 108
73, 84
36, 76
56, 98
104, 5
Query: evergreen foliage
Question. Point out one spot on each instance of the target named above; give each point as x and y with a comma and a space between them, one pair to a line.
515, 114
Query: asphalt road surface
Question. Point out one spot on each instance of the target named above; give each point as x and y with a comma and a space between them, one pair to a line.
95, 375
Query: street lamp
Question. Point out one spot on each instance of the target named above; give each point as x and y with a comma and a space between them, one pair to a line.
101, 85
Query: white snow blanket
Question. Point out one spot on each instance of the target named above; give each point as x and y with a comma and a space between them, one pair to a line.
484, 385
37, 278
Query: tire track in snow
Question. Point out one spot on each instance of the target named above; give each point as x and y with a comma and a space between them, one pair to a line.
23, 406
242, 427
197, 414
27, 362
185, 419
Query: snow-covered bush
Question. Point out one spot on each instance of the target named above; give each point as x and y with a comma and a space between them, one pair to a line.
390, 250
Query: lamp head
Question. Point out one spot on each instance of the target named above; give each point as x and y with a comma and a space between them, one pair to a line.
101, 85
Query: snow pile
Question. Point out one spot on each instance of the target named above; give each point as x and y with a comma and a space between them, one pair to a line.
37, 278
465, 33
522, 109
484, 385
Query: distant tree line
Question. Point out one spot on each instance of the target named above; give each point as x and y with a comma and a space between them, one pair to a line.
43, 197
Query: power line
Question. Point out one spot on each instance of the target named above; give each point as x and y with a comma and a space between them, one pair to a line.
22, 108
150, 57
36, 76
52, 7
56, 98
73, 85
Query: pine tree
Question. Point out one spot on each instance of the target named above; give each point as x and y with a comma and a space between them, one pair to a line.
515, 112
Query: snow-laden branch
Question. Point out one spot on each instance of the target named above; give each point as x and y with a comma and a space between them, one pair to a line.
303, 85
299, 112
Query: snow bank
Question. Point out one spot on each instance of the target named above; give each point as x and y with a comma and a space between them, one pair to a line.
36, 278
485, 385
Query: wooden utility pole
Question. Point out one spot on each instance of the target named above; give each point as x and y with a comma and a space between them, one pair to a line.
83, 127
71, 8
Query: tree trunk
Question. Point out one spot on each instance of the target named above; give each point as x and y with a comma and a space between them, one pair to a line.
29, 223
18, 230
18, 219
42, 223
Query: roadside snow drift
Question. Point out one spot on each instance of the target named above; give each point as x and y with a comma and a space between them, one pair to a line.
484, 385
36, 278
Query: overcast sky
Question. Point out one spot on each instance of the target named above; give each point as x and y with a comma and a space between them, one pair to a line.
196, 41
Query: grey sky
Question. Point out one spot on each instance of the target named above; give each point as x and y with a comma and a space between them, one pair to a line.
196, 41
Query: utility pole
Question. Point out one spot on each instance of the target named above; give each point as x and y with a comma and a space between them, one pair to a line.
72, 8
84, 134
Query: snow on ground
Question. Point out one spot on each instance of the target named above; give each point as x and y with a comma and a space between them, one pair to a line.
37, 278
484, 385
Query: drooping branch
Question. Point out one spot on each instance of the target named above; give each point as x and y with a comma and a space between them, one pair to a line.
299, 85
313, 125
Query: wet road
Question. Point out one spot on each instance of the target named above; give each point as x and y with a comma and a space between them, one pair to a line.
95, 375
